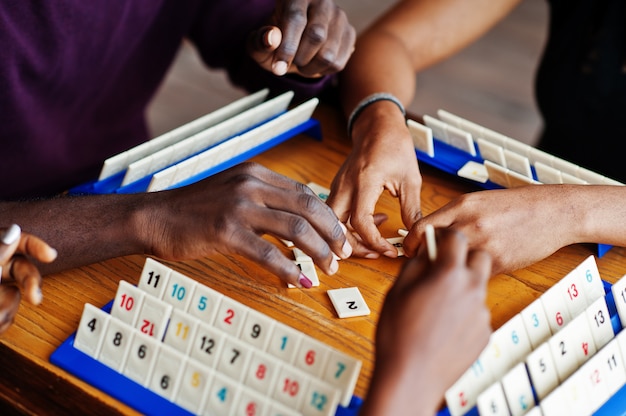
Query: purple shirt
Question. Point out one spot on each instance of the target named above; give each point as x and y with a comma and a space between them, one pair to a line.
76, 77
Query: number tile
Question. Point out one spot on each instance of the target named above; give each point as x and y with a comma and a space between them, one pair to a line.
348, 302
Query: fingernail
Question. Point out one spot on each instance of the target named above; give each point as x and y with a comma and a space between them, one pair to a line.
305, 282
372, 256
38, 296
402, 232
346, 249
53, 253
390, 253
334, 266
280, 68
268, 38
11, 235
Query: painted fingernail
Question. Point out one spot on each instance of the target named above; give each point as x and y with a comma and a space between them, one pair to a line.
390, 253
11, 235
402, 232
372, 256
280, 68
305, 282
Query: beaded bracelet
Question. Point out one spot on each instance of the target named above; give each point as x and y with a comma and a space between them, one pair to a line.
379, 96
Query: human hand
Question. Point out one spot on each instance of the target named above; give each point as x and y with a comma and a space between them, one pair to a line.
307, 37
433, 325
230, 211
517, 226
15, 266
382, 158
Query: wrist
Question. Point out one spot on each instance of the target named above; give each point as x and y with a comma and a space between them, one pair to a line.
400, 392
378, 123
369, 101
141, 218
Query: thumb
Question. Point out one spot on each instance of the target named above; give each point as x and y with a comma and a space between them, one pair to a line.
261, 45
9, 240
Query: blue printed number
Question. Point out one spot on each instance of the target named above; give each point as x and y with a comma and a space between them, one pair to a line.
340, 368
535, 320
178, 292
202, 303
319, 400
522, 402
221, 394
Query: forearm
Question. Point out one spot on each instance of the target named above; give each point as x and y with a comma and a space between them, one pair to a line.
83, 229
410, 37
402, 392
368, 72
598, 214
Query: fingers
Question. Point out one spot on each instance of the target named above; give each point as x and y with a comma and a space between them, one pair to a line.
412, 269
369, 241
363, 222
312, 225
316, 37
454, 251
410, 204
37, 248
258, 201
262, 43
339, 201
270, 258
9, 303
302, 232
17, 267
480, 262
414, 238
9, 240
327, 42
27, 276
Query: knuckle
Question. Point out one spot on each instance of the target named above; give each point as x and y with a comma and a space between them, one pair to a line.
337, 233
250, 168
294, 12
327, 59
296, 16
242, 183
308, 202
298, 225
316, 34
270, 255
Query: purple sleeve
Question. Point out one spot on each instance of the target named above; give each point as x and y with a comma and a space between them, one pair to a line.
220, 33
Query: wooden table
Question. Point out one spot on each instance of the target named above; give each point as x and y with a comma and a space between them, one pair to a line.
31, 385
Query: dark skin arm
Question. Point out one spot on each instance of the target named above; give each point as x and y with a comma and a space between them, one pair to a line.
227, 213
19, 273
433, 325
308, 37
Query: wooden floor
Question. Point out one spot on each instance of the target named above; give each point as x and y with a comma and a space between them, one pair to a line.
490, 82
